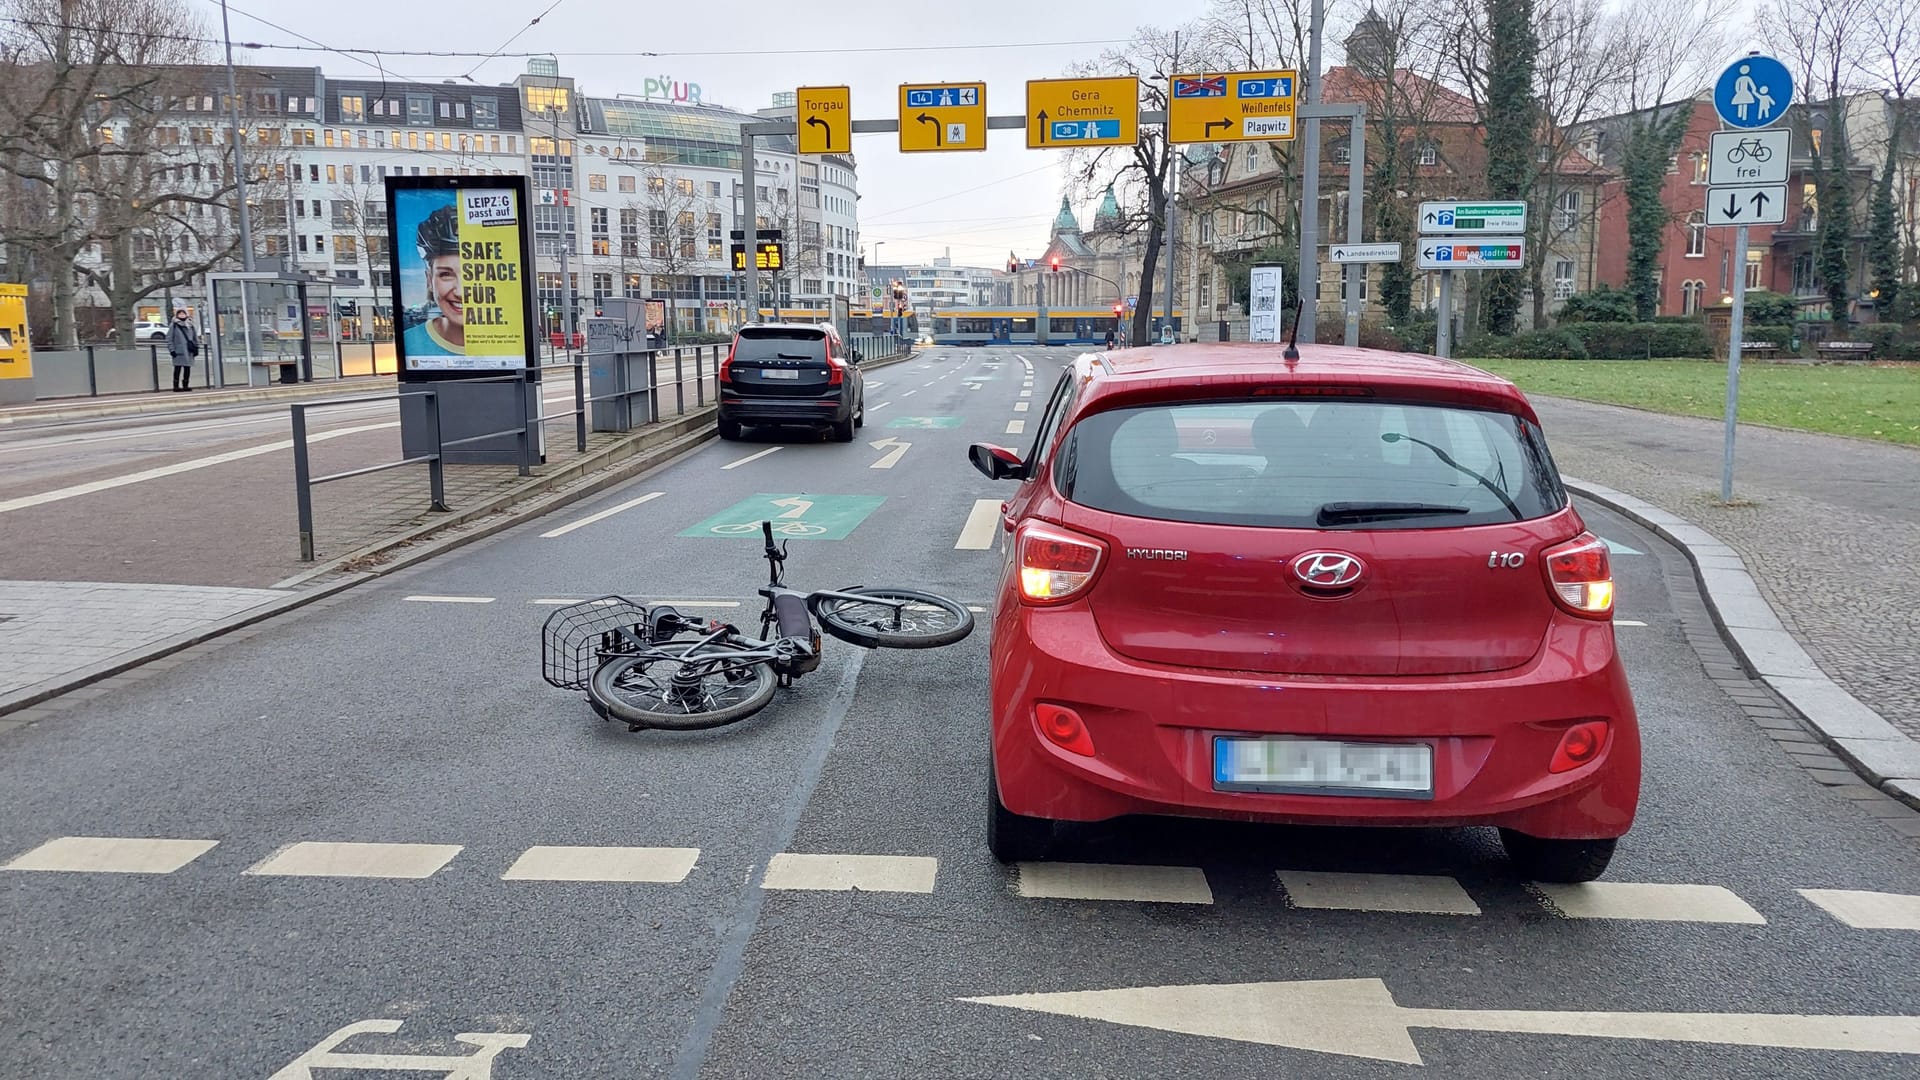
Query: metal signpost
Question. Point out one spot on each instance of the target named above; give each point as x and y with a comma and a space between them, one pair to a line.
1751, 94
1468, 236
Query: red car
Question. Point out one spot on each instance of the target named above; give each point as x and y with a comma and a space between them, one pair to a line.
1345, 589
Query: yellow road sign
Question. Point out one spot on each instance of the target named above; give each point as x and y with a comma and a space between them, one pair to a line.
1082, 112
943, 116
824, 119
1236, 106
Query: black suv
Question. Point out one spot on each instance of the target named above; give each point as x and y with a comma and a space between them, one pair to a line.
791, 373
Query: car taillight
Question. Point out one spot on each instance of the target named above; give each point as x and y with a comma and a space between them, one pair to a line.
1064, 728
726, 366
836, 370
1055, 564
1581, 743
1582, 576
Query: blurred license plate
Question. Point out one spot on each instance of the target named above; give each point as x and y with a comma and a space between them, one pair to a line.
778, 374
1322, 767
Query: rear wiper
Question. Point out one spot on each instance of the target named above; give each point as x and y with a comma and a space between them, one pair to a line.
1505, 500
1351, 513
794, 356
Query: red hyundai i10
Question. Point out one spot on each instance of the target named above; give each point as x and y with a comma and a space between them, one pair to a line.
1341, 589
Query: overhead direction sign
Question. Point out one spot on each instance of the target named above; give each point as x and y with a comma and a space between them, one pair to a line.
943, 116
1364, 253
1753, 92
1758, 205
1236, 106
1460, 253
1479, 217
1749, 157
1083, 112
823, 119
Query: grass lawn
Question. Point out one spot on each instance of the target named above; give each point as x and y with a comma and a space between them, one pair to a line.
1869, 402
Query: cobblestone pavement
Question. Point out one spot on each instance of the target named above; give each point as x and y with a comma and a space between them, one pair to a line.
49, 628
1830, 528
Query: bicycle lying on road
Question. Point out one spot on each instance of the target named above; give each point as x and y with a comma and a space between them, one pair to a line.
654, 667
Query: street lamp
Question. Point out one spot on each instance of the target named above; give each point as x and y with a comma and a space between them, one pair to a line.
239, 158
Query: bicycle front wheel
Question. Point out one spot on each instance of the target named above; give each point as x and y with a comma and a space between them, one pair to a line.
894, 618
706, 690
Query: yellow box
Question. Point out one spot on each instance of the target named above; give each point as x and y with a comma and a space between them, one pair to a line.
823, 119
937, 117
16, 354
1087, 112
1233, 106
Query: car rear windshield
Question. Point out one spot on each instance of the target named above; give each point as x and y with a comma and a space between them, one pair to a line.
775, 343
1322, 464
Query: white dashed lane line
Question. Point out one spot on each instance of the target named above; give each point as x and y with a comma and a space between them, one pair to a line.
428, 599
1015, 427
751, 457
977, 534
603, 514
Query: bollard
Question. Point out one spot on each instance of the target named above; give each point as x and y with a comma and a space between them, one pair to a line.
153, 358
699, 378
436, 474
526, 429
580, 404
679, 386
302, 490
93, 379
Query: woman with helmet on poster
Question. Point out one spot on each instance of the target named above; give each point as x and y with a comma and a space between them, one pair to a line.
438, 241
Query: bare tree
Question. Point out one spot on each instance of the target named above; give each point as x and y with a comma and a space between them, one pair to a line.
670, 216
1892, 66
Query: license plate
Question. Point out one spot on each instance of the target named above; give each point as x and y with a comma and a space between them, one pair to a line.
777, 374
1324, 767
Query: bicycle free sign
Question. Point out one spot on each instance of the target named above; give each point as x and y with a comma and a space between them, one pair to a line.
794, 517
1749, 157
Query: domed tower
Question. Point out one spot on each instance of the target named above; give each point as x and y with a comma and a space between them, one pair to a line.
1370, 47
1108, 216
1065, 222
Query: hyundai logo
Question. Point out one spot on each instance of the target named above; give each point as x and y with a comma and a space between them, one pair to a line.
1328, 569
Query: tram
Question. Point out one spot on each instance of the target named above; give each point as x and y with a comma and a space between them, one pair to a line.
1020, 326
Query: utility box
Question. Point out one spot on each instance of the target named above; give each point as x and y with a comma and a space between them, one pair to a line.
607, 373
16, 347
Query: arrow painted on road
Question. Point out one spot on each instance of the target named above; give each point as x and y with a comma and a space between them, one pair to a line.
1211, 124
796, 508
938, 140
891, 457
824, 126
1733, 206
1042, 117
1358, 1018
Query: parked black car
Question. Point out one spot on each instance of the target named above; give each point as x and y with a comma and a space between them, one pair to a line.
781, 374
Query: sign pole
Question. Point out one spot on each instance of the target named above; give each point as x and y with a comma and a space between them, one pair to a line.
1733, 361
750, 224
1310, 182
1443, 328
1356, 167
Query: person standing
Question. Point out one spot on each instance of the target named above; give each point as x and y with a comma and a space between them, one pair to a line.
183, 344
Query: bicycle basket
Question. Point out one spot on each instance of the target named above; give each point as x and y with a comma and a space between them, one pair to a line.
575, 638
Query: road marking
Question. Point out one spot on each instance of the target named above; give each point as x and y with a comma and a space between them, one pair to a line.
1020, 406
1104, 881
425, 598
977, 534
602, 515
111, 855
1015, 427
696, 603
892, 457
315, 858
752, 457
1618, 548
1359, 1018
875, 382
975, 608
1405, 893
1026, 393
1868, 910
909, 393
1628, 622
1649, 902
475, 1066
858, 873
882, 405
661, 865
74, 492
814, 517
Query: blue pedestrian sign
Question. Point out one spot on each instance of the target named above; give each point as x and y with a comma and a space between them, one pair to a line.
1753, 92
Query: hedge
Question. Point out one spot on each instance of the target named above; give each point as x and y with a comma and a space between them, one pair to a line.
1640, 341
1531, 345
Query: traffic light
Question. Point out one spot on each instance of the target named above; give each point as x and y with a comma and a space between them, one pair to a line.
1116, 310
1013, 265
1055, 263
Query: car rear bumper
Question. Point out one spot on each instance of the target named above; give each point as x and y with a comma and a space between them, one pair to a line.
1153, 729
798, 410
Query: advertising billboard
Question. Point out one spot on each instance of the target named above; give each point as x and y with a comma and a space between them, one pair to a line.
463, 293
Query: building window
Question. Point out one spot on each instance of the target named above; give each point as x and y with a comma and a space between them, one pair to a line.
683, 224
1342, 153
333, 174
1696, 235
446, 110
1562, 278
656, 185
486, 113
1206, 228
1429, 154
1756, 259
546, 99
714, 244
626, 185
683, 186
634, 289
598, 230
657, 233
1568, 216
596, 182
346, 250
419, 109
1700, 168
629, 234
713, 189
413, 139
1690, 293
1205, 295
602, 288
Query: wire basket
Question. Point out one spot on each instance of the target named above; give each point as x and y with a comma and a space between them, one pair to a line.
575, 639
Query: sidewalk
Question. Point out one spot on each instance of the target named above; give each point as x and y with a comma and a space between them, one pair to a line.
1829, 527
150, 402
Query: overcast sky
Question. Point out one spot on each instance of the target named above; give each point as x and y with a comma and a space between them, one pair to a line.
979, 205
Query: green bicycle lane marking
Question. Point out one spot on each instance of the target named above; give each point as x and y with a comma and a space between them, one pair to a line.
796, 517
924, 422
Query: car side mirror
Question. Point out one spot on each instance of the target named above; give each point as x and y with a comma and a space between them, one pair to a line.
857, 357
997, 462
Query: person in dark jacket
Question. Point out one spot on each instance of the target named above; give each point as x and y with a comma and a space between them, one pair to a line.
183, 344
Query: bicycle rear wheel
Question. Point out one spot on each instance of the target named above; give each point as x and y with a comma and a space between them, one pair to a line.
708, 690
914, 619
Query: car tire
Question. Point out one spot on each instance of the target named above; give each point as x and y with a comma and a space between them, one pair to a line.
1557, 861
729, 429
860, 418
843, 430
1012, 837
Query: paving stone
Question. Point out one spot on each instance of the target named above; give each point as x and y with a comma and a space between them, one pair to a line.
1836, 777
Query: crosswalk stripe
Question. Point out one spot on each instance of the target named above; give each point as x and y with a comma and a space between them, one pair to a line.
1649, 902
1418, 894
660, 865
314, 858
977, 533
1101, 881
111, 855
1868, 910
843, 873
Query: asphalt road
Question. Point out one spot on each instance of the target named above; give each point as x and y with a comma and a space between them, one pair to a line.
410, 712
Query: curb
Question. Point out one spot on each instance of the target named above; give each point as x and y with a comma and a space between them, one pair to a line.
152, 404
511, 509
1879, 752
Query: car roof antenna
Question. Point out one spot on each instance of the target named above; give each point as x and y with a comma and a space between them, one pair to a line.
1292, 353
